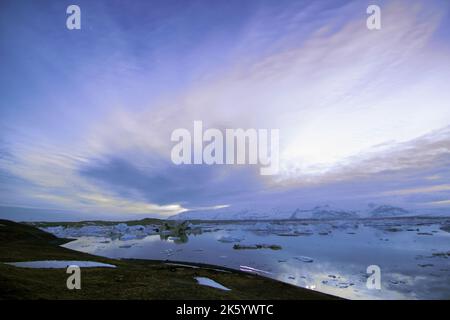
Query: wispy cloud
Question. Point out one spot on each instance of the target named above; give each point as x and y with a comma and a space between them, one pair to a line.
429, 189
441, 203
351, 104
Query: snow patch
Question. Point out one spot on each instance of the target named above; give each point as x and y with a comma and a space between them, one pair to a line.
210, 283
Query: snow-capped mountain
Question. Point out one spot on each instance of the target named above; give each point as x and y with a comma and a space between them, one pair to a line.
228, 214
382, 211
318, 212
324, 212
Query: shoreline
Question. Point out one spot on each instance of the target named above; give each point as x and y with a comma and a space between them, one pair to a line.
132, 279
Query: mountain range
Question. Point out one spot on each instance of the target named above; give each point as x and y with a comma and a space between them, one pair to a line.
317, 212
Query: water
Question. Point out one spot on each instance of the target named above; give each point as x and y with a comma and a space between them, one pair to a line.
331, 257
59, 264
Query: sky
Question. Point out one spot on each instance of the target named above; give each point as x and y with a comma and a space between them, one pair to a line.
86, 115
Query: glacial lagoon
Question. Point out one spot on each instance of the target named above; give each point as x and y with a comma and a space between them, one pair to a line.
328, 256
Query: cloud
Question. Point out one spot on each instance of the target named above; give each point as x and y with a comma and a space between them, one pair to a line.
192, 186
339, 95
441, 203
430, 189
52, 178
360, 112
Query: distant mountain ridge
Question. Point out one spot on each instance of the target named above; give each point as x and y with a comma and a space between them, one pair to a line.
324, 212
318, 212
387, 211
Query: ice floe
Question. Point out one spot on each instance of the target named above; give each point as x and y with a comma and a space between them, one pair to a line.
120, 231
227, 239
304, 259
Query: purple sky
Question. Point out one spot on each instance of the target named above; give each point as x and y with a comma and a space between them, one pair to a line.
86, 115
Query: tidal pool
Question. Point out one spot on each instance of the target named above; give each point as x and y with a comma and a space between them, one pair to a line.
327, 256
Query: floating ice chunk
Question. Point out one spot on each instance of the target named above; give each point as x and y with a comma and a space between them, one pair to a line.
128, 236
121, 227
168, 252
210, 283
136, 228
92, 230
304, 259
59, 264
58, 229
229, 239
119, 230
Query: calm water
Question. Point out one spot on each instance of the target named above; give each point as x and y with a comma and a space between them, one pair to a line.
414, 255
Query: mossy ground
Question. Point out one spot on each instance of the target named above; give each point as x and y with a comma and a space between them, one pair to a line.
132, 279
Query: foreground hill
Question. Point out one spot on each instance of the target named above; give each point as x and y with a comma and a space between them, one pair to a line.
132, 279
